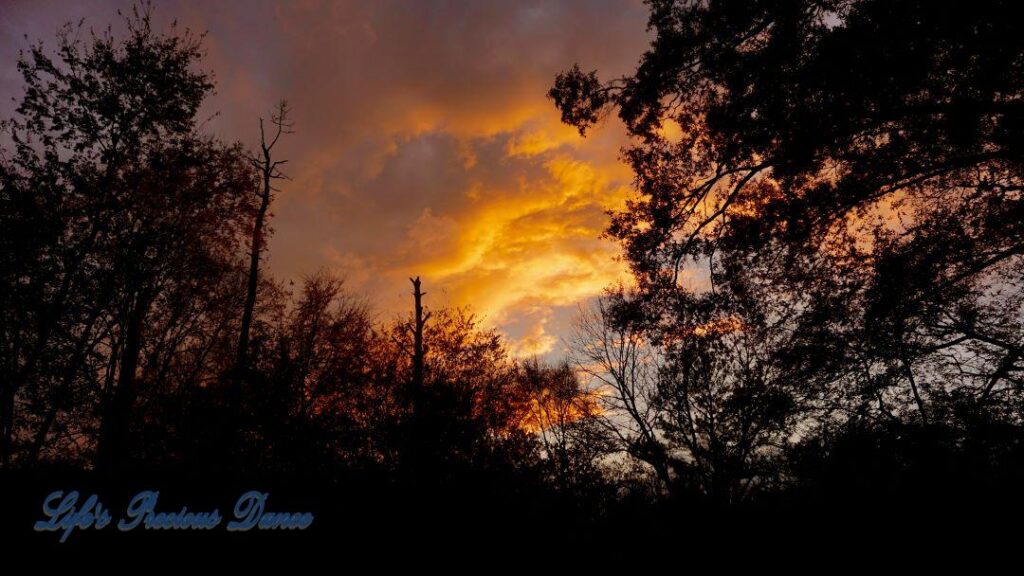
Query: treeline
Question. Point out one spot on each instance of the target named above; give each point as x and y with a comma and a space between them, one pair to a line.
826, 252
138, 327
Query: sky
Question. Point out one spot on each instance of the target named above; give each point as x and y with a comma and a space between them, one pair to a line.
424, 142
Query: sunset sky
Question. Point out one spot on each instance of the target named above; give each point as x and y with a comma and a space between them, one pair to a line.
424, 141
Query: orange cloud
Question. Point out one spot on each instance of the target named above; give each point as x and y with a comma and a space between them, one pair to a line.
518, 251
424, 141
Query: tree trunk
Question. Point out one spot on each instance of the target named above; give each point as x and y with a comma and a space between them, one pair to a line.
417, 438
254, 270
417, 357
268, 170
61, 396
112, 448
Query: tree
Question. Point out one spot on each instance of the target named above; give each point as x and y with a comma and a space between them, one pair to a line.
611, 348
471, 406
188, 218
139, 216
269, 170
316, 400
697, 392
565, 416
419, 350
853, 164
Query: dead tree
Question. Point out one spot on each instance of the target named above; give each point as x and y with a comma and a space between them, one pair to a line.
269, 170
419, 350
415, 441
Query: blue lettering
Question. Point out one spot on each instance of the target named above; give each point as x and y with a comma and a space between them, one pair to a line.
250, 513
65, 516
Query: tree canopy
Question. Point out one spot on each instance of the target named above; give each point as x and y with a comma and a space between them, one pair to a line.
842, 178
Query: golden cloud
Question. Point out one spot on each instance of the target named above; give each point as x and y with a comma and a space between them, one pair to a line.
520, 251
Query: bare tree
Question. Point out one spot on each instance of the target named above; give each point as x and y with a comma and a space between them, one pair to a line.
611, 349
269, 170
419, 349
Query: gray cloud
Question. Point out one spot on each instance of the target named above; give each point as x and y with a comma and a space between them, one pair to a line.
424, 142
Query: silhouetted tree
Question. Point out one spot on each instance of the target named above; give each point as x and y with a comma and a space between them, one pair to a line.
471, 407
269, 170
854, 168
610, 346
319, 398
566, 417
419, 351
187, 228
698, 392
137, 215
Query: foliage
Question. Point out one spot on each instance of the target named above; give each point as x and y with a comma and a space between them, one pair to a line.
845, 187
